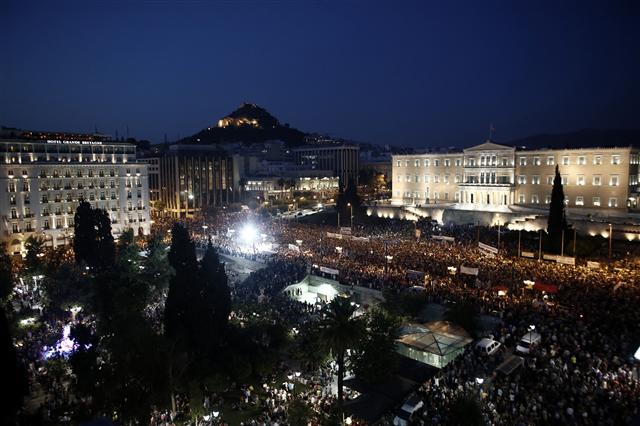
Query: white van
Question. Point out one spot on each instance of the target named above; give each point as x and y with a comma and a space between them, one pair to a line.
528, 341
488, 346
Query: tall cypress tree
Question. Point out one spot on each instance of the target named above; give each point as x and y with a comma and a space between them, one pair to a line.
557, 221
84, 233
216, 296
183, 286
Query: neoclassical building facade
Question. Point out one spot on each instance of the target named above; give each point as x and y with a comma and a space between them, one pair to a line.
493, 177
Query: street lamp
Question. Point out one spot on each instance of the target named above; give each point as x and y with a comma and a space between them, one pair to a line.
610, 240
350, 214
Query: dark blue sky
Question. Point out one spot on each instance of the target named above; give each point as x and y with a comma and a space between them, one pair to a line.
405, 73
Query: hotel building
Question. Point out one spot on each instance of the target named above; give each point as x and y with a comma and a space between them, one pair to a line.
493, 177
341, 160
44, 176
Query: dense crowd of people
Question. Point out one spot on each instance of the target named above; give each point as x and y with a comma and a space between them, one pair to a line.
582, 372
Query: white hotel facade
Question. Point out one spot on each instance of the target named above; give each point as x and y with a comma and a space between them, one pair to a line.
492, 177
43, 181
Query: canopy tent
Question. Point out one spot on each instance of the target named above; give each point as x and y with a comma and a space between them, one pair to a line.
436, 343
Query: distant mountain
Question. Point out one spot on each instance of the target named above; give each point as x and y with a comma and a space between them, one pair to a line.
248, 124
586, 138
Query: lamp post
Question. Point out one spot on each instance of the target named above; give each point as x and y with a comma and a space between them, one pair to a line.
539, 245
350, 215
610, 240
519, 237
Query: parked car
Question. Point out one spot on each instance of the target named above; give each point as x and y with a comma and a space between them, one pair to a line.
404, 416
488, 346
528, 341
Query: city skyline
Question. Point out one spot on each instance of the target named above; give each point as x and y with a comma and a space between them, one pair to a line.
403, 76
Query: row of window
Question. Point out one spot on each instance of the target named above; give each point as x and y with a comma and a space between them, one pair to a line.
427, 162
596, 180
68, 173
59, 224
33, 158
580, 160
493, 160
579, 200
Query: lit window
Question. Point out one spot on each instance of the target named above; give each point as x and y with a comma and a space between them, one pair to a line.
522, 179
535, 180
597, 160
597, 180
426, 178
406, 163
534, 199
547, 199
551, 161
579, 201
523, 161
521, 198
550, 179
436, 178
416, 163
398, 164
446, 179
596, 201
580, 180
436, 163
582, 160
536, 161
565, 180
615, 159
614, 180
458, 162
408, 177
565, 160
426, 162
613, 202
447, 162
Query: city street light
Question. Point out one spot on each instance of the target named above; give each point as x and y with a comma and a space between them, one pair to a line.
350, 215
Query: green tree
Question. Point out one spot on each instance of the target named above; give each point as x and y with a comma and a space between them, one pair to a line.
215, 298
557, 222
93, 243
376, 358
84, 233
348, 202
35, 252
14, 379
156, 268
128, 253
6, 273
341, 331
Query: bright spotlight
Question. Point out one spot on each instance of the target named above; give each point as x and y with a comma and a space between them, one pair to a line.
248, 233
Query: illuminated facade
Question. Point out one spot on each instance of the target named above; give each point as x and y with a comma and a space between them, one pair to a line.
194, 178
44, 180
342, 161
492, 177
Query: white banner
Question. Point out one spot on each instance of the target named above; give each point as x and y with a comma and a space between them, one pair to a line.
363, 239
442, 238
345, 230
332, 235
487, 248
566, 260
593, 265
468, 270
329, 271
553, 257
528, 254
294, 247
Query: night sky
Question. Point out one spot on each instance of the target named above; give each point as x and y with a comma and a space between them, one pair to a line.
403, 73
